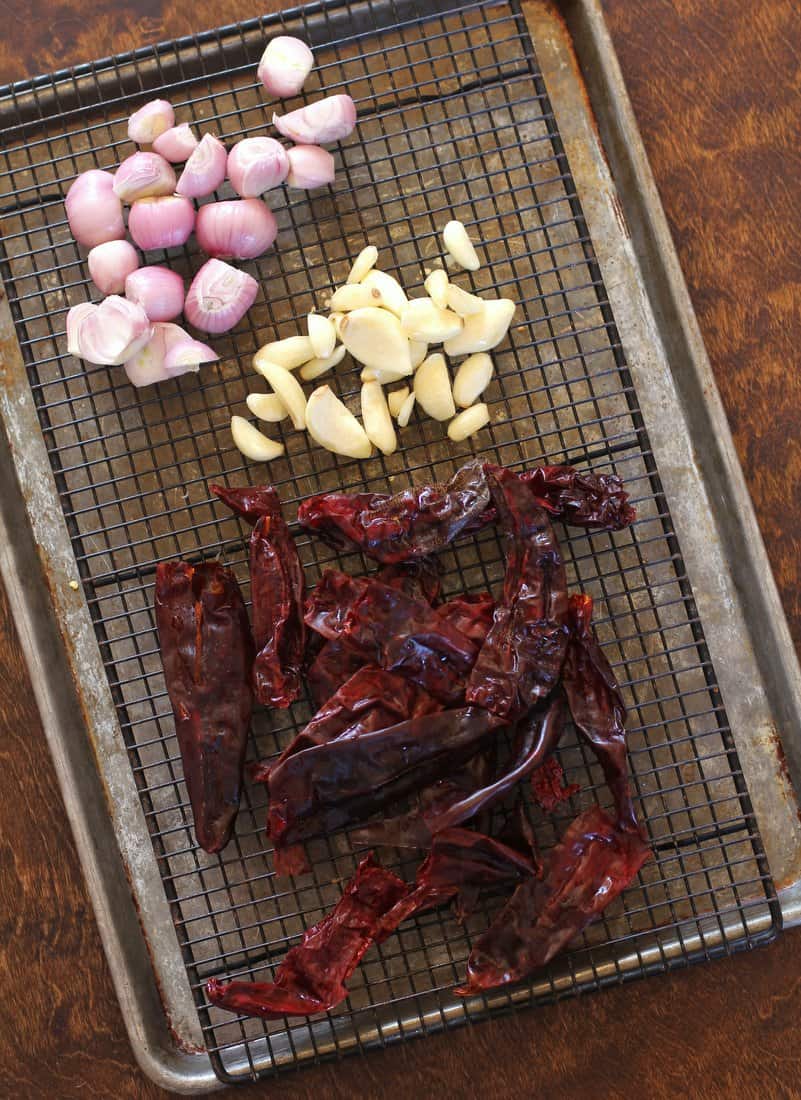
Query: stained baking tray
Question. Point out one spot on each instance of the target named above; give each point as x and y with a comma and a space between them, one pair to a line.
516, 121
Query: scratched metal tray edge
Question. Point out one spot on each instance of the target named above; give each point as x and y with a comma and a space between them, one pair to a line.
58, 639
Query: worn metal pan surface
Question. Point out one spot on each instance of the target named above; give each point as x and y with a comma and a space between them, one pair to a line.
517, 121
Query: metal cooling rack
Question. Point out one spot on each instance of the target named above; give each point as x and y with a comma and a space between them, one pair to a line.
454, 122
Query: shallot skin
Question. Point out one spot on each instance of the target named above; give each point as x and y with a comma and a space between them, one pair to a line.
158, 290
176, 144
110, 264
309, 167
240, 229
163, 222
319, 123
284, 66
93, 210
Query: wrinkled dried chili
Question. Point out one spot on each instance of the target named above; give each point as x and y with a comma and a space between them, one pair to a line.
410, 524
277, 590
522, 655
340, 783
597, 706
207, 651
460, 864
591, 865
313, 974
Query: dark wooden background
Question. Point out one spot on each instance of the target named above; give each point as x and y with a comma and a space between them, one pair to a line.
715, 86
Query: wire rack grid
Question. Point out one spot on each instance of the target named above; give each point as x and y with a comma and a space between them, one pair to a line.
454, 121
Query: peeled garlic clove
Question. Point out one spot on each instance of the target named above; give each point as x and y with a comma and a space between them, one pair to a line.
392, 293
288, 389
289, 353
383, 375
267, 406
422, 320
418, 349
363, 264
437, 286
336, 320
376, 339
468, 422
461, 302
315, 367
377, 421
457, 242
405, 411
322, 335
395, 400
472, 378
432, 388
252, 443
333, 425
485, 330
354, 296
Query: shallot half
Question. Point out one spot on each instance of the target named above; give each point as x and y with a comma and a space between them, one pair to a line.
256, 165
309, 167
325, 120
169, 352
176, 144
142, 176
158, 290
150, 121
238, 228
93, 210
284, 66
107, 334
110, 264
219, 297
164, 222
205, 169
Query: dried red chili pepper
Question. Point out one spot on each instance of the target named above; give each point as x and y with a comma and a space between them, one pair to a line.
548, 786
594, 861
410, 524
580, 499
394, 631
522, 655
277, 590
471, 614
334, 664
597, 706
461, 863
207, 650
251, 502
344, 781
313, 974
452, 803
418, 578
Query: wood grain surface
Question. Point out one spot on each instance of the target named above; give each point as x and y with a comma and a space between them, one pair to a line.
715, 85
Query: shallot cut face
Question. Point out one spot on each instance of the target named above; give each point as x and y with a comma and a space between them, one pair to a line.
219, 297
107, 334
205, 170
143, 176
176, 144
319, 123
150, 121
309, 167
256, 165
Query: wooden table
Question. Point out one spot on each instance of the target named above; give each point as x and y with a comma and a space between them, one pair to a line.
712, 87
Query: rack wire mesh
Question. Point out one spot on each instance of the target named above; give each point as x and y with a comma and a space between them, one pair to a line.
454, 121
